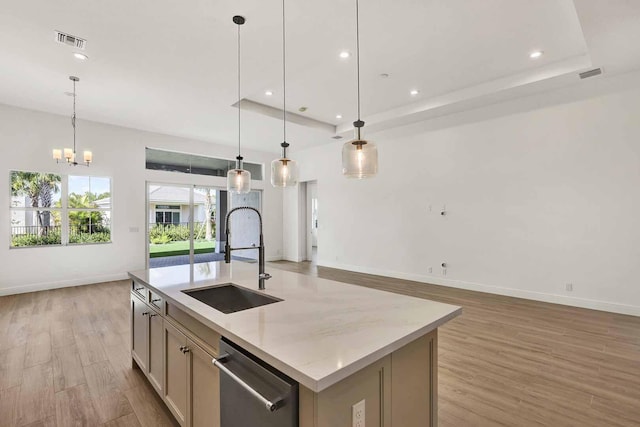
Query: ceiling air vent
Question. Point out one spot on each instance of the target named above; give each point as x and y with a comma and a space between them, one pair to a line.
591, 73
70, 40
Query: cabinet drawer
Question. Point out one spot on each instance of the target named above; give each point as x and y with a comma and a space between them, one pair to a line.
139, 290
155, 300
207, 335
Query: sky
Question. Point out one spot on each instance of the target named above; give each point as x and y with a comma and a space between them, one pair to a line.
83, 184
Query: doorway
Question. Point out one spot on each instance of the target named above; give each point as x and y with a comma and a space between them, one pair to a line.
312, 221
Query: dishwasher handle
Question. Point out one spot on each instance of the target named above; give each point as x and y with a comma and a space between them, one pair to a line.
271, 406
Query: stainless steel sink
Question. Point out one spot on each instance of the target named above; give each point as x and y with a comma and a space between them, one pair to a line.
230, 298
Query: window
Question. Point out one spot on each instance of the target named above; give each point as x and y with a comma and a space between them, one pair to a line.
89, 209
51, 209
168, 214
35, 209
201, 165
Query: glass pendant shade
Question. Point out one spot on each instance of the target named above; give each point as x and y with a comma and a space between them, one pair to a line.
359, 159
284, 172
239, 181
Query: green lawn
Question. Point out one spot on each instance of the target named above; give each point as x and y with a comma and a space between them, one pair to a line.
180, 248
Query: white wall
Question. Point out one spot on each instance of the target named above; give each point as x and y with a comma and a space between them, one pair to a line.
534, 200
26, 140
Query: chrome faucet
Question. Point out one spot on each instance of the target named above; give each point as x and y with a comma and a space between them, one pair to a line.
262, 276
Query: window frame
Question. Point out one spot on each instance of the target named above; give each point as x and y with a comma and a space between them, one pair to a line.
68, 210
63, 211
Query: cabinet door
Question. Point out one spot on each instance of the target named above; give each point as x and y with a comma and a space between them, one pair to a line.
204, 388
139, 328
156, 355
175, 391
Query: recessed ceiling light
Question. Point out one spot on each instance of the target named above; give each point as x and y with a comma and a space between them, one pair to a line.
80, 56
535, 54
338, 116
414, 92
268, 92
344, 54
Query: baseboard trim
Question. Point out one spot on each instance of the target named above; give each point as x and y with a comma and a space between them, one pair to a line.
43, 286
611, 307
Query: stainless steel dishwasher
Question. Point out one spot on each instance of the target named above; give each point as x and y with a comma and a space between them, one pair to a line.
252, 393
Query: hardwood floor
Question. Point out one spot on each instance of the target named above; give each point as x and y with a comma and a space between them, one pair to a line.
64, 359
514, 362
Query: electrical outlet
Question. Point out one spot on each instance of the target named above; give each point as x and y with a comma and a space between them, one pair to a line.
357, 412
569, 287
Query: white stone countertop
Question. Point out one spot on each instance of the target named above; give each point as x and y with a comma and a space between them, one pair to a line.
322, 332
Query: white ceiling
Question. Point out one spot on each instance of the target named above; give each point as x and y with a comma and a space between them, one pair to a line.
170, 66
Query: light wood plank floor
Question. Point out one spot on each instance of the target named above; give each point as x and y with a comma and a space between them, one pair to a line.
64, 359
514, 362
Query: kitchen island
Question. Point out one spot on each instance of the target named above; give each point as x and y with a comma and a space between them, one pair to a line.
342, 343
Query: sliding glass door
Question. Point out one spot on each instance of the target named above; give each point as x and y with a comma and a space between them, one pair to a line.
186, 224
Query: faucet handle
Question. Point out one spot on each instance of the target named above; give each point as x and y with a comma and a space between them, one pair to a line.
265, 276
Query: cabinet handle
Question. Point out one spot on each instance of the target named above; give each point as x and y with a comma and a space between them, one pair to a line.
186, 350
139, 289
153, 315
146, 313
156, 300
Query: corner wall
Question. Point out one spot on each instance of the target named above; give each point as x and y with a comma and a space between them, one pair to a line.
533, 201
26, 140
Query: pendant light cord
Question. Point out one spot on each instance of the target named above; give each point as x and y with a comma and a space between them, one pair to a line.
284, 77
239, 99
73, 119
358, 53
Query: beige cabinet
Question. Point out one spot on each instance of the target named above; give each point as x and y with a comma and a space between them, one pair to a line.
146, 341
176, 356
192, 382
400, 390
140, 332
204, 388
156, 352
176, 362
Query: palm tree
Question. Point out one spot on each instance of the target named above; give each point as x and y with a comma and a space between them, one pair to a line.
208, 212
39, 188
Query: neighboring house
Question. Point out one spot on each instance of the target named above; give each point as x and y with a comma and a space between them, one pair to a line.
170, 205
21, 218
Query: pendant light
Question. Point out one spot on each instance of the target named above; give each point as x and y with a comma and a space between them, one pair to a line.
284, 171
238, 179
359, 157
70, 153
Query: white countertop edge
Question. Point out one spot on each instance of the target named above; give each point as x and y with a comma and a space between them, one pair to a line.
348, 370
311, 383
